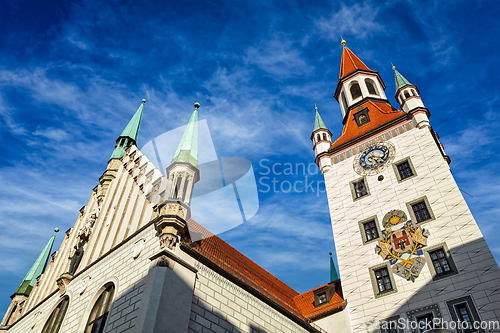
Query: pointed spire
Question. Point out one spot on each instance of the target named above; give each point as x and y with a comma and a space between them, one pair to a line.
349, 62
37, 269
333, 272
400, 80
187, 151
318, 122
130, 133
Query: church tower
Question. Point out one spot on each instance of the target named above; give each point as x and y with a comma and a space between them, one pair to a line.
407, 245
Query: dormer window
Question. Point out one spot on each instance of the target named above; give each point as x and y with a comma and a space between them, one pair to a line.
361, 116
355, 91
323, 295
370, 85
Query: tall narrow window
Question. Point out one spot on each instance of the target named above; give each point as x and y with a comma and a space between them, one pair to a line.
371, 87
440, 261
371, 231
184, 190
344, 102
324, 136
421, 212
56, 317
318, 138
404, 170
413, 92
99, 313
464, 316
383, 280
177, 188
407, 95
360, 188
355, 91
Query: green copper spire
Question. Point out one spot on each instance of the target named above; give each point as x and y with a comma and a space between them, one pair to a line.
333, 272
400, 80
318, 122
130, 133
36, 270
187, 151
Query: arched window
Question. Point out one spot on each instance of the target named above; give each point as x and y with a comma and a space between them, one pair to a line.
363, 119
184, 190
55, 320
177, 188
344, 101
355, 91
407, 95
324, 136
414, 93
99, 313
370, 85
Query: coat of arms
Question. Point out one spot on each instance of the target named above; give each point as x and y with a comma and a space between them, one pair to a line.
401, 244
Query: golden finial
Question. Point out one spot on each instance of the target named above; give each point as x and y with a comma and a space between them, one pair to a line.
315, 107
343, 42
393, 67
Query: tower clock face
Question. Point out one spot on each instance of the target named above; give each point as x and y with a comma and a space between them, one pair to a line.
374, 158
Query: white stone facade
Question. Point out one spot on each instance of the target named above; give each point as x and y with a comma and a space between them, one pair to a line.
453, 226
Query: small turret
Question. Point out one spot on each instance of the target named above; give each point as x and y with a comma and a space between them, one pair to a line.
322, 139
407, 94
23, 291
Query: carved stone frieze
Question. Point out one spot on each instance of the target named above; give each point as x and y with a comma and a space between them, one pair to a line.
168, 240
163, 261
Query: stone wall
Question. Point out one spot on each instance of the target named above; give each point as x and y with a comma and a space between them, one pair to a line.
219, 305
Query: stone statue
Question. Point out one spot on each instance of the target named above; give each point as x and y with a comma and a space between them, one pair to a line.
76, 258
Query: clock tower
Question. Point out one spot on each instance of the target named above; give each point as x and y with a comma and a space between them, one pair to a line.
408, 248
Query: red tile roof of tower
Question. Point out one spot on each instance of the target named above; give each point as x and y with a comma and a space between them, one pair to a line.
380, 113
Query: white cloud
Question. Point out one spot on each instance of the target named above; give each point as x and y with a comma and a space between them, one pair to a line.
357, 20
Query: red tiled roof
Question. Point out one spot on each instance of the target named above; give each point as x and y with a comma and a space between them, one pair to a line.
305, 303
236, 264
350, 62
244, 269
380, 113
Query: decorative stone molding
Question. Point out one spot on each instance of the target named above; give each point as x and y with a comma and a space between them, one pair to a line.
84, 284
168, 240
138, 247
167, 258
63, 282
36, 319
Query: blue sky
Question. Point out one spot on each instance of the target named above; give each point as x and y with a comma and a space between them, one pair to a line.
72, 73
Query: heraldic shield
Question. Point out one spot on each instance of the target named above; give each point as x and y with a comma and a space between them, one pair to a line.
402, 245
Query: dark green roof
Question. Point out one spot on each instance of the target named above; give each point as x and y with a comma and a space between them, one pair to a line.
132, 129
130, 133
400, 80
36, 270
333, 272
187, 151
318, 122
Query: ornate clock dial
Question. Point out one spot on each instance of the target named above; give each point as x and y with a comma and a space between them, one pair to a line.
374, 158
